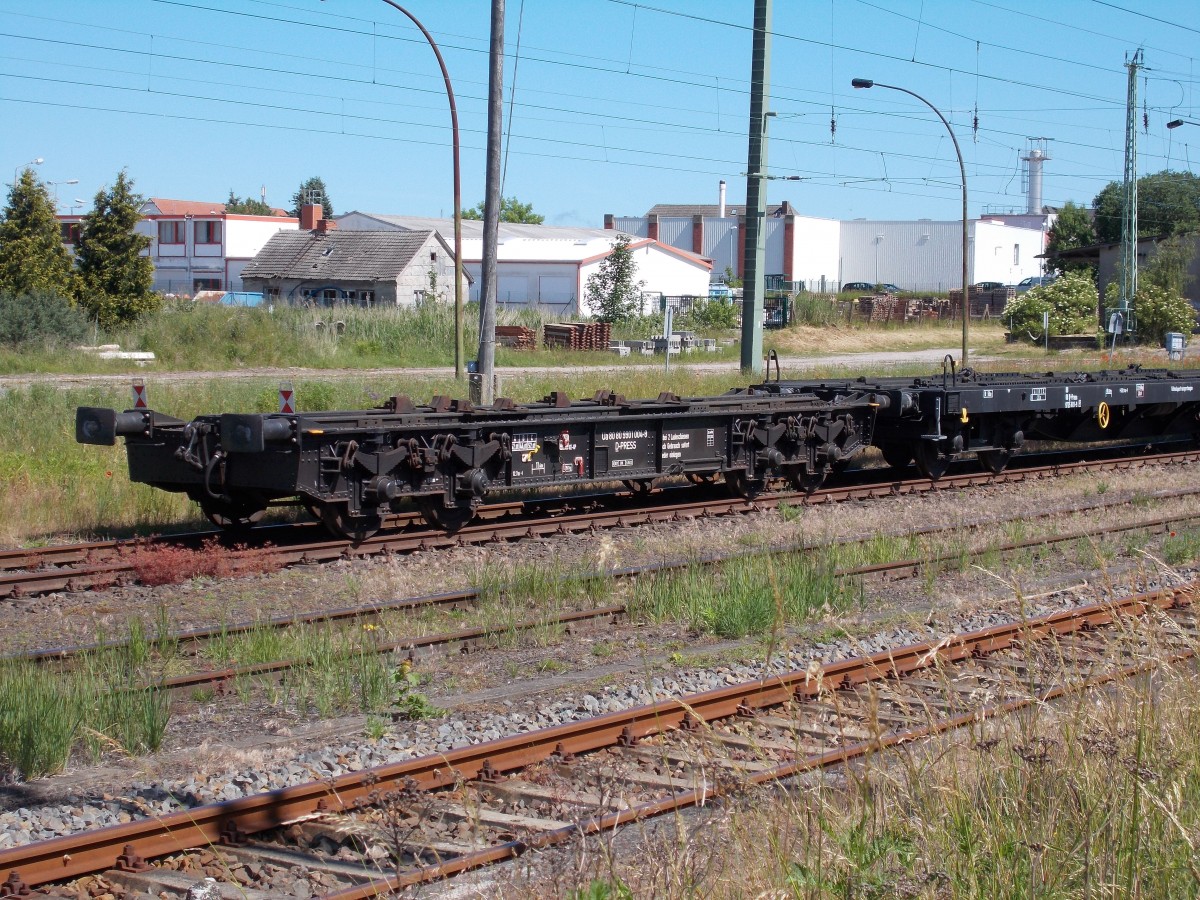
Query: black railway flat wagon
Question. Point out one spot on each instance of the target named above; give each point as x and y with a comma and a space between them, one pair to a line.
351, 468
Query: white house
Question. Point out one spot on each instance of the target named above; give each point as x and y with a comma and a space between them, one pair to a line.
548, 265
198, 246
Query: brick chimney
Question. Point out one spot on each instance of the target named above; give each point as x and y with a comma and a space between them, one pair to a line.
325, 225
310, 215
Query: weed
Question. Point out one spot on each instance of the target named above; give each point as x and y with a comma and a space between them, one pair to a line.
375, 728
551, 666
409, 702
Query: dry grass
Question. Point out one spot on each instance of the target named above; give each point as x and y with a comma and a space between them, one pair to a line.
808, 340
1096, 796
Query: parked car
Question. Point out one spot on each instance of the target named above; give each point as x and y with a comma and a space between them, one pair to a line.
866, 287
773, 318
1034, 281
989, 285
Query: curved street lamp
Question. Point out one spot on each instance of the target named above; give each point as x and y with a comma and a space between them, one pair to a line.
458, 298
55, 185
1175, 123
868, 83
33, 162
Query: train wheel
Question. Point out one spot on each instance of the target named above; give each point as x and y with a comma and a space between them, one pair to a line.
898, 456
995, 461
437, 515
931, 462
355, 529
232, 516
802, 480
742, 485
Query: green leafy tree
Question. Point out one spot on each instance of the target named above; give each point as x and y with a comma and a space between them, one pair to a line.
115, 278
1071, 302
247, 207
1168, 203
32, 256
1072, 229
511, 210
307, 187
1168, 267
612, 294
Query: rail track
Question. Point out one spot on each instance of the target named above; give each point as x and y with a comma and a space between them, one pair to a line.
36, 571
477, 805
471, 639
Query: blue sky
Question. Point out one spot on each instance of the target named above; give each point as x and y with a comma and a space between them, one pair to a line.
616, 105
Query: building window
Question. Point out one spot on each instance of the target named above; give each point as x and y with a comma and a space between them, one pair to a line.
1016, 254
171, 233
69, 232
208, 232
206, 284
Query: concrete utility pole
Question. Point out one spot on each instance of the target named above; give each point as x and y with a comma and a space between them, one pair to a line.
753, 281
491, 209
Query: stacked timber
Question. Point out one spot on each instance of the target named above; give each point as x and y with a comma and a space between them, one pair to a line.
984, 304
577, 335
518, 337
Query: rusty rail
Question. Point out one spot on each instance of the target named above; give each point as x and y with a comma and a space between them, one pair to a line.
76, 855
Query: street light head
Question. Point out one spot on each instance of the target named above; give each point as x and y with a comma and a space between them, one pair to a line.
71, 181
38, 161
1175, 124
862, 83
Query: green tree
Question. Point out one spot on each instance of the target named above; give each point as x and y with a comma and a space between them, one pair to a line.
307, 187
1168, 203
511, 210
116, 279
612, 294
32, 256
247, 207
1072, 229
1071, 302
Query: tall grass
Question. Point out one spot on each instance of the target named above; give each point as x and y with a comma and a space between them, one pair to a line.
747, 595
103, 705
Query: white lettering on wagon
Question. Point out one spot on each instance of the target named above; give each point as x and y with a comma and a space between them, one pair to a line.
525, 443
624, 435
1181, 388
1071, 401
675, 443
1037, 395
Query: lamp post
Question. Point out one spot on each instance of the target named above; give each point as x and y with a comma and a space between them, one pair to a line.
33, 162
76, 203
55, 185
458, 247
966, 296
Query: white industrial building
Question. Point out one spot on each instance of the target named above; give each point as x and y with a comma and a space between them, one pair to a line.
822, 254
546, 265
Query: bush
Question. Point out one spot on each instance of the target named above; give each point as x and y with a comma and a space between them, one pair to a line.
1157, 311
44, 318
709, 315
1071, 302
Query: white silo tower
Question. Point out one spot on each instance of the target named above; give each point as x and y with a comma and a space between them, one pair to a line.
1036, 154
